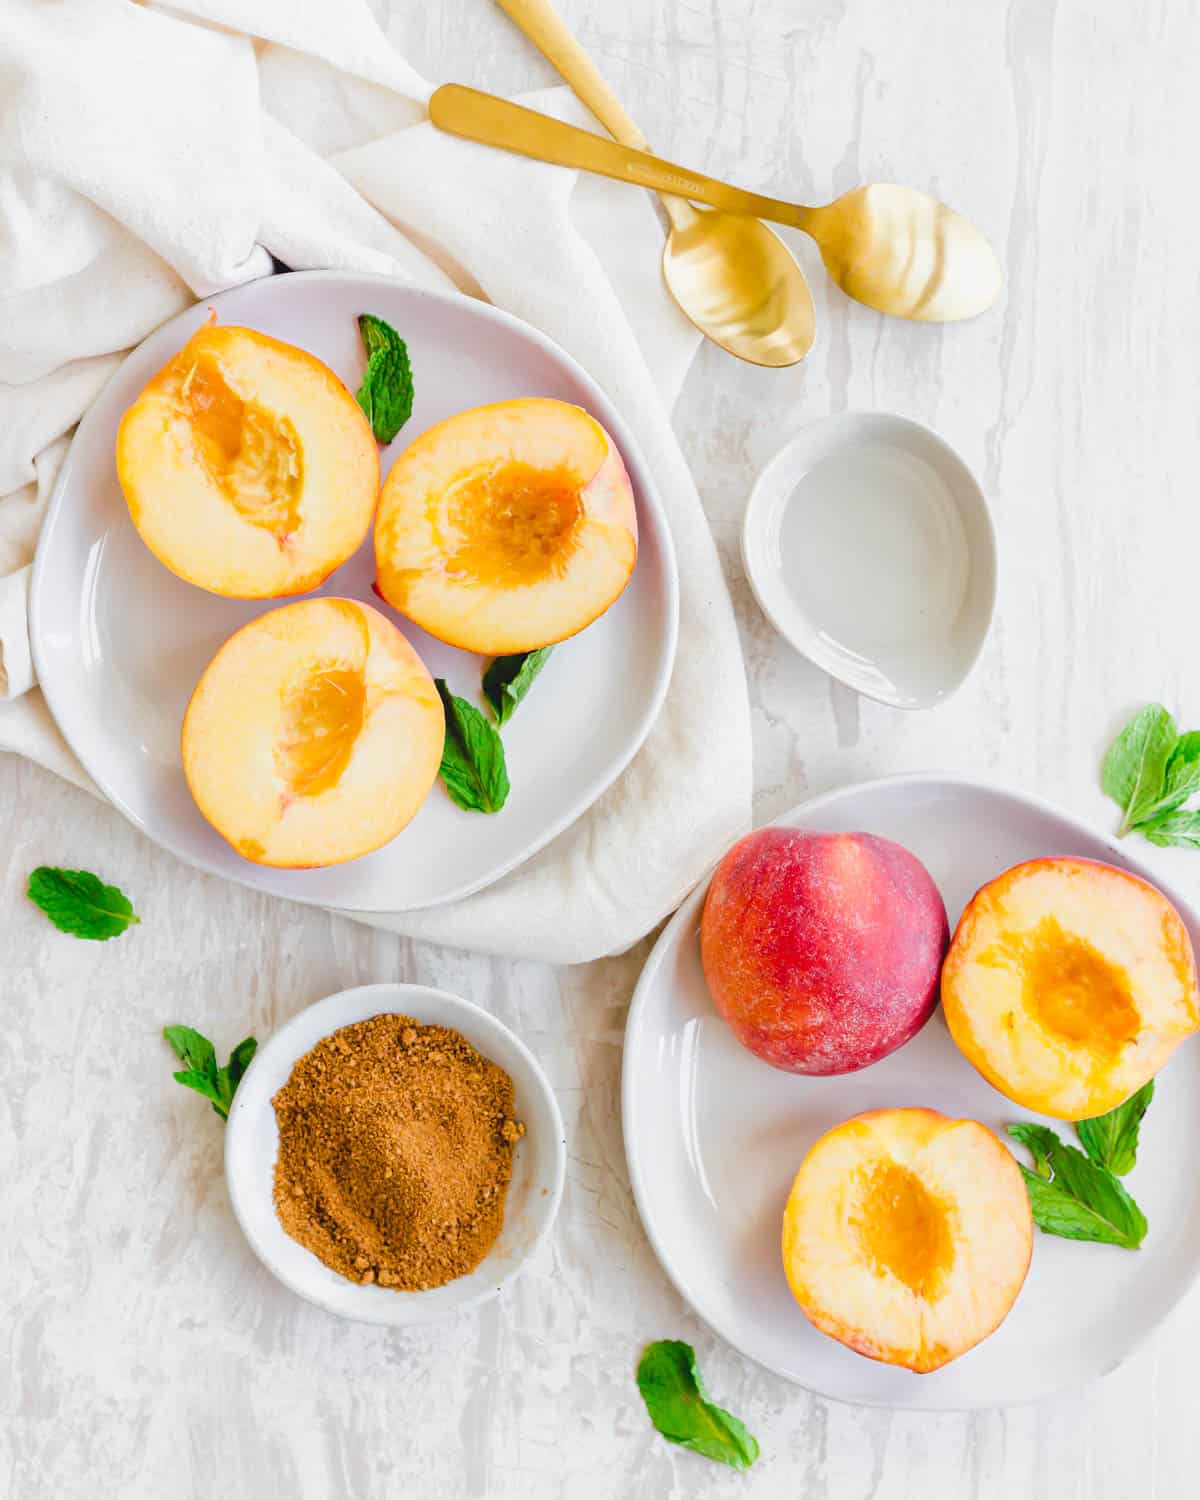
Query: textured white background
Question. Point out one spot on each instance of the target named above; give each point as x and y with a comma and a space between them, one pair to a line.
145, 1353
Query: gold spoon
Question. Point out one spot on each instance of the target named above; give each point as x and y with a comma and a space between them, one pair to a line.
892, 248
732, 276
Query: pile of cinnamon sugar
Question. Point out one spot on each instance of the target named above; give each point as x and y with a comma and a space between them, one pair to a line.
395, 1152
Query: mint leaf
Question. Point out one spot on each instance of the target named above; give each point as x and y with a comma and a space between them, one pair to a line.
386, 393
1180, 780
680, 1409
78, 902
1177, 829
509, 678
239, 1060
193, 1049
1039, 1141
1183, 768
1111, 1140
473, 767
1135, 768
1078, 1200
202, 1074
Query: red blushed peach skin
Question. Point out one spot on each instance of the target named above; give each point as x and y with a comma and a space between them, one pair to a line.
248, 467
507, 527
314, 735
907, 1236
822, 950
1069, 984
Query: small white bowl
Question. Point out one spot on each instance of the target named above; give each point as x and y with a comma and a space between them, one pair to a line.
252, 1145
870, 548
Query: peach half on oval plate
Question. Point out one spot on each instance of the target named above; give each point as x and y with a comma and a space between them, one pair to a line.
314, 735
507, 527
907, 1236
1069, 984
248, 467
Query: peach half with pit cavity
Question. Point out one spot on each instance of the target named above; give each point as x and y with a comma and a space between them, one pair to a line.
314, 735
907, 1235
1068, 984
507, 527
248, 467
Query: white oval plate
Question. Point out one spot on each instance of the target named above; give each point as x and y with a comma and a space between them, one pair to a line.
119, 642
252, 1145
713, 1136
869, 546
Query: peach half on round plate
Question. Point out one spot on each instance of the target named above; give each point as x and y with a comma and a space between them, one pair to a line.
907, 1235
248, 467
507, 527
1069, 984
314, 735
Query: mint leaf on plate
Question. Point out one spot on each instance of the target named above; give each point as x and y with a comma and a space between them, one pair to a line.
78, 902
201, 1073
386, 393
1073, 1197
473, 767
680, 1409
1039, 1141
1111, 1140
509, 678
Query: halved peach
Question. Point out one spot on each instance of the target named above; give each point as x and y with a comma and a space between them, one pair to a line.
907, 1235
314, 735
248, 467
1068, 984
507, 527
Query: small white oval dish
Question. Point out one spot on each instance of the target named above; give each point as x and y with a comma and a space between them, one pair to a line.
252, 1145
713, 1136
870, 548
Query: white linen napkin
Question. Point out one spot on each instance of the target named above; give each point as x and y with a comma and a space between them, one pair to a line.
151, 156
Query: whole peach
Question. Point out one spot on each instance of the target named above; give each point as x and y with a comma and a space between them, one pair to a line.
822, 950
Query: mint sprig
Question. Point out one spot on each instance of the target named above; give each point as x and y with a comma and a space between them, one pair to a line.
678, 1405
509, 678
201, 1072
1078, 1196
78, 902
386, 392
1111, 1140
1150, 771
473, 768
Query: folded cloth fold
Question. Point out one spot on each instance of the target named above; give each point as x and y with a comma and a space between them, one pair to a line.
150, 156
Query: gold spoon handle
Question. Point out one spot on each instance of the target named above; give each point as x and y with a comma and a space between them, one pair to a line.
496, 122
547, 30
550, 34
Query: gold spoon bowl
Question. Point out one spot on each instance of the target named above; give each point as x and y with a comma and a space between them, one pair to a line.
739, 284
734, 278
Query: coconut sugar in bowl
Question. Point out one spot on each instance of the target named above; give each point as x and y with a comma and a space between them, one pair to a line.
460, 1094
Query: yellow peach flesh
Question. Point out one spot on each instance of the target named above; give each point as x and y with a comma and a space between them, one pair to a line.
907, 1236
247, 466
252, 455
507, 527
314, 736
1069, 984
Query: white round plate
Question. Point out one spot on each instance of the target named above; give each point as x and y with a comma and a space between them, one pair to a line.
714, 1137
252, 1145
119, 642
870, 548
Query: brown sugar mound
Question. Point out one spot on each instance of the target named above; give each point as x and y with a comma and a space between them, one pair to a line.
395, 1152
